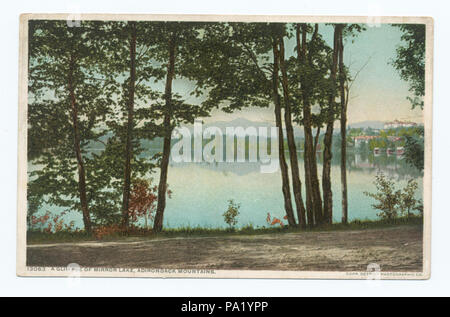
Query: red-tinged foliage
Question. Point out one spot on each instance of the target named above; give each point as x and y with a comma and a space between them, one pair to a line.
40, 220
143, 200
117, 230
103, 231
274, 221
50, 223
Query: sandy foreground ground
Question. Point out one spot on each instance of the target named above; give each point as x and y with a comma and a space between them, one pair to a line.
394, 249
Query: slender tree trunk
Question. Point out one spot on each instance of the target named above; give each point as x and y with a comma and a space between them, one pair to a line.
296, 182
162, 188
317, 197
328, 140
283, 165
313, 195
316, 139
77, 148
311, 165
130, 127
343, 130
318, 210
308, 186
326, 174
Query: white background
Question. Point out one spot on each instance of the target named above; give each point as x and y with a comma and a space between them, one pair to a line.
10, 285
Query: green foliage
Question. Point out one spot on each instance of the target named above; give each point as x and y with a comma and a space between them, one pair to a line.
60, 55
387, 197
408, 202
230, 216
378, 143
392, 202
233, 65
229, 64
97, 54
310, 79
355, 132
414, 149
410, 60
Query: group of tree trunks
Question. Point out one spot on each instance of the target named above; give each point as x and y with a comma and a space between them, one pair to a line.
318, 209
180, 46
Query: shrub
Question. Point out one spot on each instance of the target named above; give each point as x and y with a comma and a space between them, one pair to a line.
143, 200
407, 200
51, 223
230, 216
392, 201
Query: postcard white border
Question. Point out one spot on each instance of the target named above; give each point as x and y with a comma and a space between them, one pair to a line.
21, 268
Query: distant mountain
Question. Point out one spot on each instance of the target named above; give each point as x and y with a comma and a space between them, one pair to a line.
367, 124
244, 123
238, 122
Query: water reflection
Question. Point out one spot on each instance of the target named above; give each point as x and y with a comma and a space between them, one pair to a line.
393, 166
201, 190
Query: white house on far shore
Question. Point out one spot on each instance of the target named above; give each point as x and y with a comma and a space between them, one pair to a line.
399, 124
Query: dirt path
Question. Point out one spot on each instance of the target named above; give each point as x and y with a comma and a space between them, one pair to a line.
394, 249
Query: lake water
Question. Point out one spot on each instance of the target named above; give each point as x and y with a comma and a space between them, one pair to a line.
201, 190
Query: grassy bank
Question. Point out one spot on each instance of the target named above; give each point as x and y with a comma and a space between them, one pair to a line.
38, 237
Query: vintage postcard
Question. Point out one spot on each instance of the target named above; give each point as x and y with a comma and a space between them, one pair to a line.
225, 146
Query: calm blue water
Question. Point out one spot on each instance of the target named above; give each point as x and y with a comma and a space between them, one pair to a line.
201, 190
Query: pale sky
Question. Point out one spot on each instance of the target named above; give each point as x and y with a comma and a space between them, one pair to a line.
378, 92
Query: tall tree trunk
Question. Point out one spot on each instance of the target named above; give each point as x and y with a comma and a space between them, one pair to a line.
318, 211
296, 182
77, 148
283, 165
313, 196
343, 131
316, 139
130, 126
301, 52
311, 163
328, 140
326, 174
162, 188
